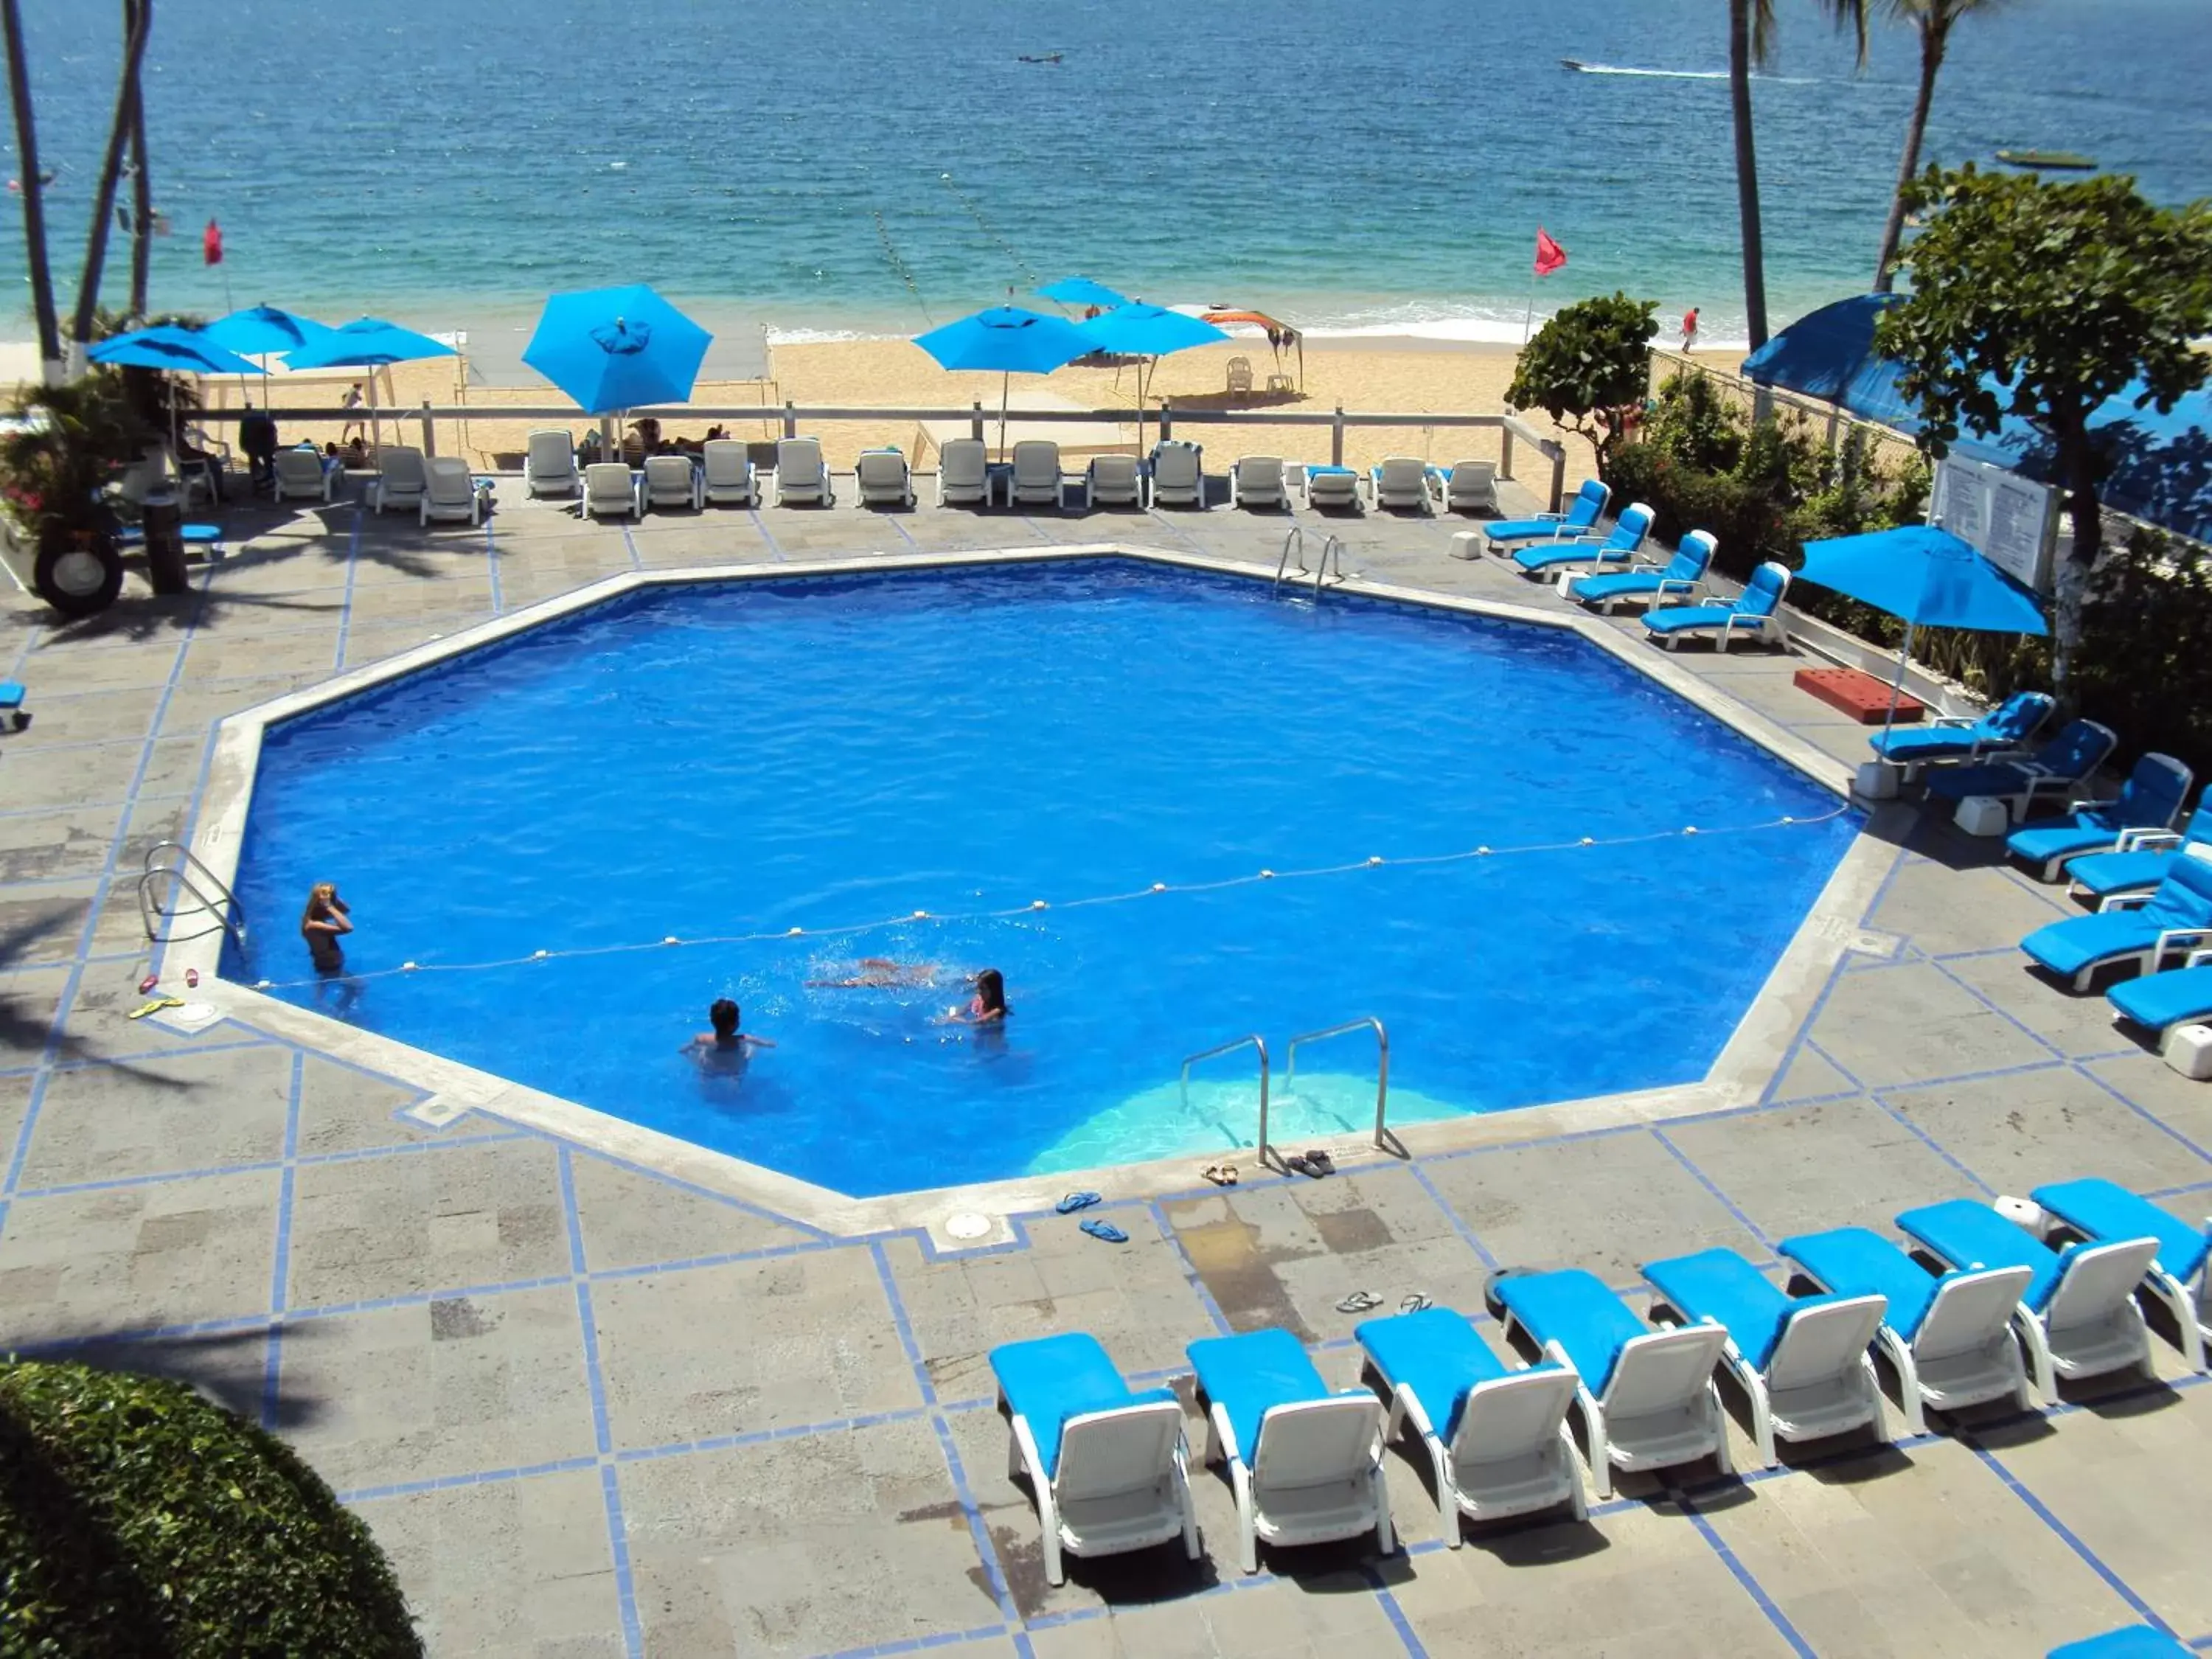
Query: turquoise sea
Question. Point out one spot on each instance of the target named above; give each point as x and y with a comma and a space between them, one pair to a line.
870, 166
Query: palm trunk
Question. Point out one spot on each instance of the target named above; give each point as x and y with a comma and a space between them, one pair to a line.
1932, 43
138, 22
1746, 170
141, 209
2077, 466
34, 207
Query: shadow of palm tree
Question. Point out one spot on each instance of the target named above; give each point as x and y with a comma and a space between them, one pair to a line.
27, 1030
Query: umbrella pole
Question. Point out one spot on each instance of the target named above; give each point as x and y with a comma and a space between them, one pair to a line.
1005, 382
1897, 686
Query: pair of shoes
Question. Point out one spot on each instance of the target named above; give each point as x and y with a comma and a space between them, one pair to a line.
1361, 1302
1221, 1175
1313, 1164
1075, 1201
1098, 1227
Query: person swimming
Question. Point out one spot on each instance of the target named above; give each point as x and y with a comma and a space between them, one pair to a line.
880, 974
725, 1045
321, 924
988, 1005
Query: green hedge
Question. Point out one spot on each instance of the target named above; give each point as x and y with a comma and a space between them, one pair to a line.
136, 1518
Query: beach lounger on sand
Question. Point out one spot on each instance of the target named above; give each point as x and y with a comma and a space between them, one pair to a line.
963, 473
1114, 481
1471, 486
549, 465
801, 474
1646, 1396
1257, 481
1305, 1464
451, 493
1496, 1437
2078, 1316
2055, 770
2173, 919
882, 479
1178, 473
1804, 1363
1399, 482
1676, 583
2141, 860
728, 467
2129, 1642
1580, 518
1036, 479
2149, 800
1333, 487
1108, 1465
302, 475
1755, 613
401, 477
1949, 1338
1619, 547
2107, 1212
608, 488
671, 481
2003, 730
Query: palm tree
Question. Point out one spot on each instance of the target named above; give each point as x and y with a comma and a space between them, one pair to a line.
34, 208
137, 24
1934, 19
1751, 46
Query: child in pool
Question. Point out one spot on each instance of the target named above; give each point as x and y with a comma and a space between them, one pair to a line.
988, 1005
725, 1045
322, 923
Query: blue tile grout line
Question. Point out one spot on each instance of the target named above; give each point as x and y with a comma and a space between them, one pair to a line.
1393, 1611
1742, 1576
360, 1155
618, 1551
1931, 1142
280, 1268
2066, 1535
491, 565
1196, 1281
1467, 1235
1710, 1186
602, 1436
774, 547
629, 543
345, 609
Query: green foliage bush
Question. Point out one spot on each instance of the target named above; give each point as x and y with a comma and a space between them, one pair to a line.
2141, 666
1588, 368
137, 1518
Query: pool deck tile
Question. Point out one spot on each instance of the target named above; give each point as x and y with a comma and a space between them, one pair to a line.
591, 1408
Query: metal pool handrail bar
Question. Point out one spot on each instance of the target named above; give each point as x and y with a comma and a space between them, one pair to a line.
1219, 1049
1383, 1138
228, 913
1332, 546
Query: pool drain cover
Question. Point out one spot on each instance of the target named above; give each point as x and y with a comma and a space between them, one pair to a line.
967, 1224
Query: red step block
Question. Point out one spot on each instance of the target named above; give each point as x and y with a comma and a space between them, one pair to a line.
1862, 697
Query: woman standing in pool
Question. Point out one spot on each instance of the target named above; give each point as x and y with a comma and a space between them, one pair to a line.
321, 924
988, 1005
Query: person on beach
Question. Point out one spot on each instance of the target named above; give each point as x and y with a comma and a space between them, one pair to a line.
321, 925
355, 427
880, 974
1689, 328
988, 1005
725, 1046
257, 436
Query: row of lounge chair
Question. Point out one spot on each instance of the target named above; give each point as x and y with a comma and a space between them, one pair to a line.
437, 487
2019, 1298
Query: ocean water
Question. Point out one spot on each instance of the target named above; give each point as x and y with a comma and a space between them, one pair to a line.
834, 755
877, 165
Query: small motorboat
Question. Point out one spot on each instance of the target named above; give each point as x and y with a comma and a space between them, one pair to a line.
1039, 58
2063, 161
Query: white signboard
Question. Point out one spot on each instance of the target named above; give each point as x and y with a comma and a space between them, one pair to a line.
2008, 519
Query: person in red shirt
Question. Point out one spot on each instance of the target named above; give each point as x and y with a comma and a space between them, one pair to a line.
1689, 328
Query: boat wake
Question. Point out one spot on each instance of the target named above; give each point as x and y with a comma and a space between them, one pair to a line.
1576, 64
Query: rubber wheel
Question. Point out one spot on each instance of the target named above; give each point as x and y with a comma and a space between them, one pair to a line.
78, 580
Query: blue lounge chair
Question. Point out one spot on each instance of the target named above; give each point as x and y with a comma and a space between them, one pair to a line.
2142, 860
2178, 996
1305, 1463
2105, 1211
1804, 1363
2150, 799
1619, 547
1647, 1397
1108, 1464
2004, 731
1755, 613
1497, 1437
2061, 766
2129, 1642
1582, 516
11, 703
2173, 919
2078, 1315
1678, 580
1950, 1339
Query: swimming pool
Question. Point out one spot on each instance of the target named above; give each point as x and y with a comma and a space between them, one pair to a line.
814, 769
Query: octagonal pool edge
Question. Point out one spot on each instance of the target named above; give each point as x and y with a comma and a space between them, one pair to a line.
1759, 1046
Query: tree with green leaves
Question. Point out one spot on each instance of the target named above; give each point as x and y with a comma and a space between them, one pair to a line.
1933, 20
1588, 368
2045, 301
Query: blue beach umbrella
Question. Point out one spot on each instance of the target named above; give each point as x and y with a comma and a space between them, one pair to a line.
264, 330
1082, 291
613, 348
1926, 577
1008, 340
1151, 331
366, 342
176, 351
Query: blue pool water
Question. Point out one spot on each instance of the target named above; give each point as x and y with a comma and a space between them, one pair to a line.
832, 753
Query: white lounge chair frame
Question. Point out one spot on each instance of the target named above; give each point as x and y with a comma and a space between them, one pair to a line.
402, 478
1660, 1407
1257, 481
802, 473
609, 487
727, 468
1178, 474
963, 473
1114, 481
1818, 1381
1472, 484
1767, 629
450, 492
1964, 1354
1401, 481
1513, 1453
549, 464
882, 478
1332, 489
2091, 1327
1036, 479
671, 481
1123, 1482
1301, 1487
322, 486
2192, 1310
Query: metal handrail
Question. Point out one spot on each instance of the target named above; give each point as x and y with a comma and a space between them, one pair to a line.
229, 914
1331, 547
1295, 536
1383, 1138
1219, 1049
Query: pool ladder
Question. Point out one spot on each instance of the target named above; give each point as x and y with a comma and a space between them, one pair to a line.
187, 878
1332, 552
1385, 1139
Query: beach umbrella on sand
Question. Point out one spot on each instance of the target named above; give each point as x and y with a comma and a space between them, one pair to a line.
613, 348
264, 330
1082, 291
1150, 332
173, 351
1008, 340
1926, 577
1279, 334
367, 342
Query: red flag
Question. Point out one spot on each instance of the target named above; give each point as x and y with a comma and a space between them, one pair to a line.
1550, 256
212, 245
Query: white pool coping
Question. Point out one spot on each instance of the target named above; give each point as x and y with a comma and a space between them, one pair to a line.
1747, 1064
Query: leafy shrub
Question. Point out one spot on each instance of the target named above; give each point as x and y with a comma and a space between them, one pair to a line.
1588, 367
2141, 666
136, 1518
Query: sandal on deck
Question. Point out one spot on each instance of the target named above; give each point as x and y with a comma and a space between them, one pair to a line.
1075, 1201
1099, 1227
1359, 1302
1221, 1175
